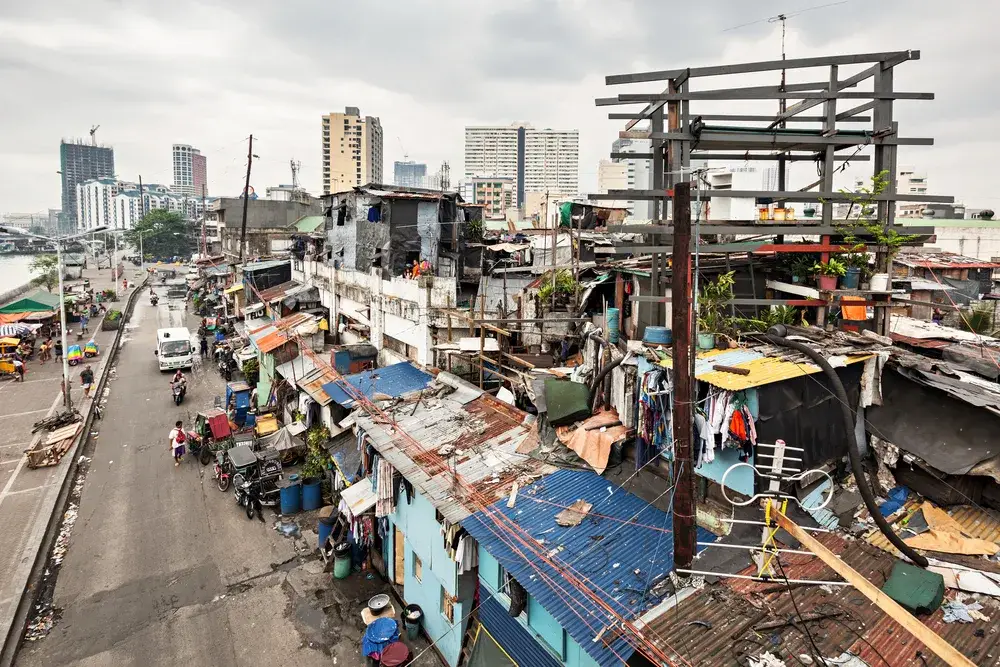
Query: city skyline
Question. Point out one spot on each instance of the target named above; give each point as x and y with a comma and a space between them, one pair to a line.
554, 87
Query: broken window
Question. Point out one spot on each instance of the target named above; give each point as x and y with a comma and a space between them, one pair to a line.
341, 215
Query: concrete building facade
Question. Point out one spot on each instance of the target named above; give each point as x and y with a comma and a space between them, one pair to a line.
268, 224
637, 174
115, 203
535, 160
495, 194
190, 171
80, 162
352, 150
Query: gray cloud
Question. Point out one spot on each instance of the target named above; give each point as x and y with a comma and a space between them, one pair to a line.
209, 73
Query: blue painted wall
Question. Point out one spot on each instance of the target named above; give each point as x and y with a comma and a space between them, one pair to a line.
539, 622
423, 539
739, 480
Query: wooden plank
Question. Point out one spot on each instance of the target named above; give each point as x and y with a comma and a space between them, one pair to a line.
399, 553
910, 623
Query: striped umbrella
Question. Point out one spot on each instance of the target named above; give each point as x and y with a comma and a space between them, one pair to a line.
15, 329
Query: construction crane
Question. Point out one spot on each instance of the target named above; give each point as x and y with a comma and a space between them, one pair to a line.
406, 156
93, 135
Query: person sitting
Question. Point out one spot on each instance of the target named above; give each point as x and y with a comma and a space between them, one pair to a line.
179, 378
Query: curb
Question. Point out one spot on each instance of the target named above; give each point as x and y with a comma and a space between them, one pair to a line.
15, 634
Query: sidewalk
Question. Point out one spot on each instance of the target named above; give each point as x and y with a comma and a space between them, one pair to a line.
29, 497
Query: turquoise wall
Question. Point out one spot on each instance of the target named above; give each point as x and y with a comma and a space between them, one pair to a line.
423, 539
266, 378
540, 623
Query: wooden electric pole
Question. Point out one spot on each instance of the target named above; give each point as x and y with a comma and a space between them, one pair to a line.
246, 198
685, 528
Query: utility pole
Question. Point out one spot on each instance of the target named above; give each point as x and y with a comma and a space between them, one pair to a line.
685, 531
246, 198
142, 200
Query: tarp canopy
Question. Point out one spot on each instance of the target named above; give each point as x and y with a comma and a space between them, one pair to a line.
280, 440
36, 301
359, 497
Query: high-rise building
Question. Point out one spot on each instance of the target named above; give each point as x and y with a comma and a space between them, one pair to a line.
190, 171
79, 162
410, 174
535, 160
352, 150
637, 173
495, 194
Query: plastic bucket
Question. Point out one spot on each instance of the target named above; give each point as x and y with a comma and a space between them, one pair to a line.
706, 341
827, 283
614, 318
413, 616
291, 498
880, 282
658, 335
851, 279
342, 560
312, 494
325, 528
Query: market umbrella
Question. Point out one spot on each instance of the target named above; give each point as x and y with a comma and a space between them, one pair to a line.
15, 330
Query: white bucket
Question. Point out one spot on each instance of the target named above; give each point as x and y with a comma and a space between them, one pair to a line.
880, 282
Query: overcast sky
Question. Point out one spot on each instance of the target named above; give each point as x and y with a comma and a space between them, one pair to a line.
211, 72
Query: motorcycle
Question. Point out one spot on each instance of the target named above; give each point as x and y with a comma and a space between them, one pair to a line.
226, 367
178, 389
248, 496
153, 300
223, 473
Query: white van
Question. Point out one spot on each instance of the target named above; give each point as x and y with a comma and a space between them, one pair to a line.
174, 348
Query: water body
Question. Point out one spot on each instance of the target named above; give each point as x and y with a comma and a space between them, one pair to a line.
14, 271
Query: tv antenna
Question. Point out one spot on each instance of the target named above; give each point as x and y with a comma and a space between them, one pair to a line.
93, 135
296, 167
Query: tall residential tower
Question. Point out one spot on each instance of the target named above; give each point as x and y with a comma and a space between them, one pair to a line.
535, 160
352, 150
190, 171
79, 162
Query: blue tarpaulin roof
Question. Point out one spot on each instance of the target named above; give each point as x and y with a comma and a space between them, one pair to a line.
618, 555
395, 380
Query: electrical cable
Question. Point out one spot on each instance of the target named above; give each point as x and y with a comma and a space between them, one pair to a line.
817, 654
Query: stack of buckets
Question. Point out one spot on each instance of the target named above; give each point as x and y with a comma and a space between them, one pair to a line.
301, 495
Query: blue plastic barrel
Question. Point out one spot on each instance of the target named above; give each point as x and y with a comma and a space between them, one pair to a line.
614, 327
658, 336
325, 528
291, 498
312, 494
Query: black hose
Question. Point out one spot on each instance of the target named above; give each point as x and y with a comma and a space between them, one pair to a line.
776, 335
595, 394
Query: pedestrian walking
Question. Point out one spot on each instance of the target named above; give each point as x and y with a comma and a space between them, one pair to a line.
19, 369
124, 283
87, 380
84, 320
177, 440
204, 347
59, 350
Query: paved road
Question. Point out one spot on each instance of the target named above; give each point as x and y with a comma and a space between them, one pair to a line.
162, 568
27, 497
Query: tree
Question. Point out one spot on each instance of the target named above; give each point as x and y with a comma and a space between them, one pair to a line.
164, 234
47, 268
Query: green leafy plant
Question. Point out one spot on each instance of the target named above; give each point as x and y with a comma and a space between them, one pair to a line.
113, 315
564, 284
832, 268
251, 366
768, 318
316, 455
888, 241
475, 230
978, 319
712, 297
47, 266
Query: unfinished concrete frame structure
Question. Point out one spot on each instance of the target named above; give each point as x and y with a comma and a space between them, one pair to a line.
679, 134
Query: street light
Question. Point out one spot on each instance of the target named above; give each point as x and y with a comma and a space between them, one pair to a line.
58, 242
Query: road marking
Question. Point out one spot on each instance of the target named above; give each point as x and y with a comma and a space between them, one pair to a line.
15, 444
34, 488
21, 414
24, 459
10, 462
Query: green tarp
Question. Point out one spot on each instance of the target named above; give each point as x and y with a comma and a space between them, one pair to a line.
566, 402
34, 302
915, 589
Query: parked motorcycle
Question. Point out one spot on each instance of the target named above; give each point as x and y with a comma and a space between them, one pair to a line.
178, 389
223, 471
153, 300
226, 366
248, 496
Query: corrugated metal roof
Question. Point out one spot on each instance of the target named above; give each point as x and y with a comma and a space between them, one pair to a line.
272, 336
618, 554
942, 260
394, 380
296, 369
513, 637
216, 270
975, 521
313, 383
764, 370
461, 441
278, 291
309, 223
733, 607
266, 264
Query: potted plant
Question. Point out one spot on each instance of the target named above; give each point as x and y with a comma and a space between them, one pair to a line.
857, 266
827, 273
809, 211
801, 268
712, 298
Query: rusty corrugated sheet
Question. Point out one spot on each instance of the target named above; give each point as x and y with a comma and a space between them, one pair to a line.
734, 607
278, 291
927, 343
975, 521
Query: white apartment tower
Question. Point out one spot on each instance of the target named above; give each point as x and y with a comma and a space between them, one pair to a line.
534, 160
